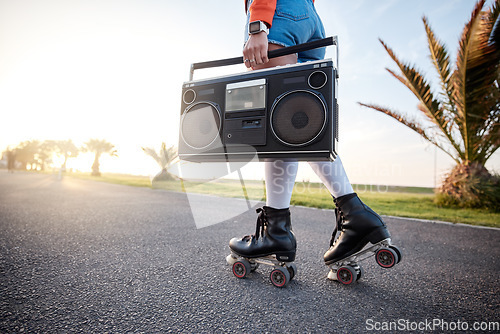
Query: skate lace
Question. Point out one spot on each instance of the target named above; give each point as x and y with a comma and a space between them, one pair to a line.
339, 217
261, 225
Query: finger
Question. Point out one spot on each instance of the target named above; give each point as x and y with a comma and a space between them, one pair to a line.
247, 56
247, 62
254, 64
264, 57
258, 59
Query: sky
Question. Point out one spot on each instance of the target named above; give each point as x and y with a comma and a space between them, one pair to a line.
113, 70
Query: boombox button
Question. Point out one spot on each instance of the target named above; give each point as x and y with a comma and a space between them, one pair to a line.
251, 124
229, 135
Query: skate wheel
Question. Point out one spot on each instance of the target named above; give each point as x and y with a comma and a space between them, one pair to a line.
398, 251
360, 272
241, 268
292, 269
346, 275
280, 277
386, 257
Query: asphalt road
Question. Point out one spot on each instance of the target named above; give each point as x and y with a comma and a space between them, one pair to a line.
83, 256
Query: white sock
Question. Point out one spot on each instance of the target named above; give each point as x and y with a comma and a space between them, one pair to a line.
333, 176
280, 179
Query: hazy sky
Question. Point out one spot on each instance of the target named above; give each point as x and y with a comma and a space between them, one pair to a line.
81, 69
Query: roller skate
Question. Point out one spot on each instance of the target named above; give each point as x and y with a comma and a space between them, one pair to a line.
272, 244
361, 234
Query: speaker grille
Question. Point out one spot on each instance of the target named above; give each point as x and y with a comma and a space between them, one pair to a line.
200, 125
298, 117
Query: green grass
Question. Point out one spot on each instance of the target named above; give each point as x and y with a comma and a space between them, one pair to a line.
125, 179
412, 202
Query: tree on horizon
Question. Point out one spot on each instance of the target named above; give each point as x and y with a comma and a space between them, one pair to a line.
67, 149
163, 158
99, 147
34, 153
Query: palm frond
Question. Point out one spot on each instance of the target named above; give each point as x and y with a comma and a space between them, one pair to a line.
462, 96
432, 109
100, 146
489, 139
479, 79
431, 134
441, 60
164, 156
416, 83
169, 153
152, 153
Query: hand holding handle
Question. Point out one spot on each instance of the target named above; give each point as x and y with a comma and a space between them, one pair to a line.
271, 54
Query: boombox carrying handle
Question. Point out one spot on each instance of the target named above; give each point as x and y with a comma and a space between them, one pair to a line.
332, 40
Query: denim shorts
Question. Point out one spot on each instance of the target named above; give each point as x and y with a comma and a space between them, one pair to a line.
295, 22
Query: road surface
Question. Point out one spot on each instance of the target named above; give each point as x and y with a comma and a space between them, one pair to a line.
84, 256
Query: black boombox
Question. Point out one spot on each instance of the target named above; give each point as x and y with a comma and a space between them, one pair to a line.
285, 112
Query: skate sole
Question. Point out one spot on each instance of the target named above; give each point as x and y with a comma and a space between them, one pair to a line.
348, 270
375, 237
285, 256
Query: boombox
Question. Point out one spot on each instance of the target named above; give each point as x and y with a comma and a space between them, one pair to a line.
286, 112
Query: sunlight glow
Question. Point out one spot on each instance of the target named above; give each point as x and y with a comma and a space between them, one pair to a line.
114, 69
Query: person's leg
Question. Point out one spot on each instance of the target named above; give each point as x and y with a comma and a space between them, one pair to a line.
292, 25
280, 178
333, 176
273, 235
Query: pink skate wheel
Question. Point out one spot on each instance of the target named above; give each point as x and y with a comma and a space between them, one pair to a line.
386, 257
346, 275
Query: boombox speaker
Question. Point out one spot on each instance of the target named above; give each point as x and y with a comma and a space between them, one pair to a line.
285, 112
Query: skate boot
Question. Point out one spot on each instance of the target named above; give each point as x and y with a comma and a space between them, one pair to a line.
272, 244
358, 225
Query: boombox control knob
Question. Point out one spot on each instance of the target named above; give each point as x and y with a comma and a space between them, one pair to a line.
229, 135
189, 96
317, 79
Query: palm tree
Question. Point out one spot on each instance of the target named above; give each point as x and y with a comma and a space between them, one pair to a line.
99, 147
163, 158
27, 154
67, 149
44, 153
10, 156
463, 119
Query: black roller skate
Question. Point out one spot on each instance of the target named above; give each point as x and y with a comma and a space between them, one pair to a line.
272, 244
358, 226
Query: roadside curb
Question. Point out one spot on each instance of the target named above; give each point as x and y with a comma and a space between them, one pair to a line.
445, 223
